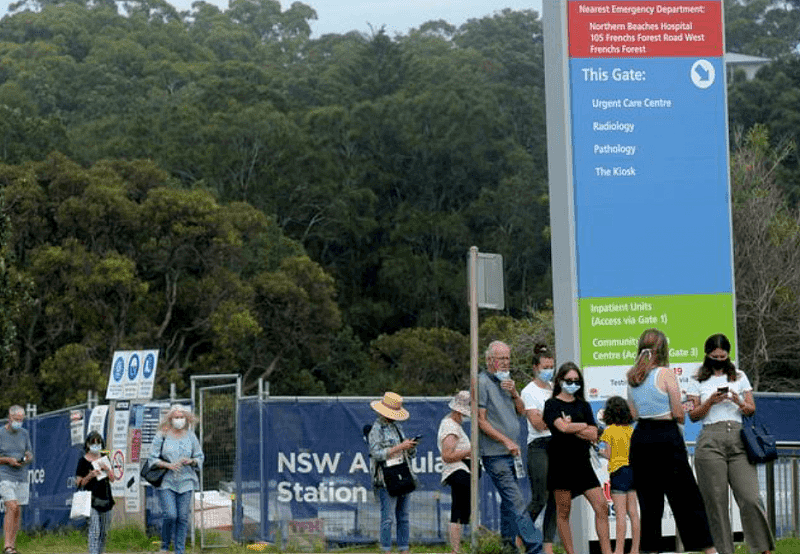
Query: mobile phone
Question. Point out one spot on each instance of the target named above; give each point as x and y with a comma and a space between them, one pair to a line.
416, 439
722, 389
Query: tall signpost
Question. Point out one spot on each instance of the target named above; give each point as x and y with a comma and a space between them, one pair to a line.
486, 290
639, 181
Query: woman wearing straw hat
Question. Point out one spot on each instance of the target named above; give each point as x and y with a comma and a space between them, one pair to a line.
455, 448
387, 442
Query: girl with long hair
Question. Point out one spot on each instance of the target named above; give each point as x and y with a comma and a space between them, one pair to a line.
658, 453
570, 473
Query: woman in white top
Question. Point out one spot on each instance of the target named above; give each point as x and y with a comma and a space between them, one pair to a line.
720, 395
534, 395
455, 448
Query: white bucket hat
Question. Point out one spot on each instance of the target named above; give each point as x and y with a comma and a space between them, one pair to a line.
460, 403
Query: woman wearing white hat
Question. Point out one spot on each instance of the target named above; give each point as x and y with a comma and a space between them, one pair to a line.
387, 443
176, 448
455, 448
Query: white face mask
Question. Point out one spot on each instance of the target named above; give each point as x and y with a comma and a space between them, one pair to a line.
95, 447
179, 422
16, 425
502, 375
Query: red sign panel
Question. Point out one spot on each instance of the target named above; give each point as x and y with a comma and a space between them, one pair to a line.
644, 29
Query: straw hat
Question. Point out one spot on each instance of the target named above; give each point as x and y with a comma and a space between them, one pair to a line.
460, 403
391, 406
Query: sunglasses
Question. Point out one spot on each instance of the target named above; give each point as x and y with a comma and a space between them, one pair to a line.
572, 381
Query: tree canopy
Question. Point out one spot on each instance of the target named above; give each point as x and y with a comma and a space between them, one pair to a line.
222, 186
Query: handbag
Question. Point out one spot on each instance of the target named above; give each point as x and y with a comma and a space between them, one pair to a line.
759, 443
104, 504
81, 504
154, 474
397, 477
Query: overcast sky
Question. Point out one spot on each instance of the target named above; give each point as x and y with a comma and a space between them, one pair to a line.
398, 16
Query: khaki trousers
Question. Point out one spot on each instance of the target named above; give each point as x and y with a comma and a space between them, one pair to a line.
721, 460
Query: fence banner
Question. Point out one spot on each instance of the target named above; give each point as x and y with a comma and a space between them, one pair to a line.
316, 467
304, 466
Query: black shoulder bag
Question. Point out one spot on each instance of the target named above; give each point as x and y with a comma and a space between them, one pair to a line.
155, 474
397, 476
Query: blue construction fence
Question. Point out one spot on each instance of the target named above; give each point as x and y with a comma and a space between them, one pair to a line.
302, 467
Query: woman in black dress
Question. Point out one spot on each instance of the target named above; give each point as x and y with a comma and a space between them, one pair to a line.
570, 471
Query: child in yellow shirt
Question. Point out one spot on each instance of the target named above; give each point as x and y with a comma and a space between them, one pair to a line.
615, 444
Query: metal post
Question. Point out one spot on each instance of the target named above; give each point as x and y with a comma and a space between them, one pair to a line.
795, 497
239, 521
473, 392
770, 474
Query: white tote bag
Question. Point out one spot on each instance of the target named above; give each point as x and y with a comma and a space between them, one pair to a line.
81, 505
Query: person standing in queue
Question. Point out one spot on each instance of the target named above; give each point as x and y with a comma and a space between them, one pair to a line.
615, 444
387, 442
499, 410
183, 456
721, 395
570, 473
658, 453
454, 446
534, 396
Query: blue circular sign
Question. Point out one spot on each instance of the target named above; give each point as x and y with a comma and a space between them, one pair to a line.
133, 367
149, 365
119, 369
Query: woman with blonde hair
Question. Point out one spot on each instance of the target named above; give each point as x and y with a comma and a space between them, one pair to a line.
176, 448
658, 453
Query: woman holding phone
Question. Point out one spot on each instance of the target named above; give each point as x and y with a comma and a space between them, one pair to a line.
721, 395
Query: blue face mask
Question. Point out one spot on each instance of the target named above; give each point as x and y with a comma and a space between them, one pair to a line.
546, 375
570, 388
502, 375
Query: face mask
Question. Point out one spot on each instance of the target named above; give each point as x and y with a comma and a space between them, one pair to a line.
712, 363
546, 375
570, 388
16, 425
502, 375
95, 447
179, 422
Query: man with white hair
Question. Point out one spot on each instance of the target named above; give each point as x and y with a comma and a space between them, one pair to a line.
499, 409
15, 454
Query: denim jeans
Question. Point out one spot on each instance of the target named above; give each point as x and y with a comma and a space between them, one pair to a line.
398, 505
175, 509
514, 516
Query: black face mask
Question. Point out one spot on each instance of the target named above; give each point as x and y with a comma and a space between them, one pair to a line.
712, 363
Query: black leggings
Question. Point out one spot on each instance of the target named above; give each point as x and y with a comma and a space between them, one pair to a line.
459, 490
661, 467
